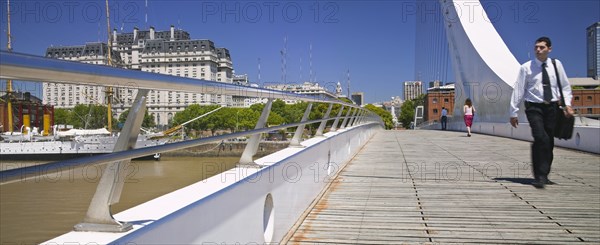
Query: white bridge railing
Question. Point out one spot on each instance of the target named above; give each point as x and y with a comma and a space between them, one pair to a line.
350, 129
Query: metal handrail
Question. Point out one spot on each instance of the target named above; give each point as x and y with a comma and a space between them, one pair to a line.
18, 66
25, 172
41, 69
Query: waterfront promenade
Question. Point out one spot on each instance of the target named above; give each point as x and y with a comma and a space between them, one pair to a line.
430, 186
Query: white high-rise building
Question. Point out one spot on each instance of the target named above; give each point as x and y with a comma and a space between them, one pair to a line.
412, 89
167, 52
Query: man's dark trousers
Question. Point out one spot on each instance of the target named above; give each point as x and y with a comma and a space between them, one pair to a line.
542, 120
444, 122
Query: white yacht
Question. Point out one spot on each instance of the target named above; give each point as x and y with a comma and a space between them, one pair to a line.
65, 144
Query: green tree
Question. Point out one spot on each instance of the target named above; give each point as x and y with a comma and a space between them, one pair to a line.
89, 117
224, 118
419, 101
407, 113
190, 113
61, 116
278, 106
347, 100
247, 118
275, 118
294, 112
385, 115
148, 119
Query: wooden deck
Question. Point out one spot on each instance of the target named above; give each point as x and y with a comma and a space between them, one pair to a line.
443, 187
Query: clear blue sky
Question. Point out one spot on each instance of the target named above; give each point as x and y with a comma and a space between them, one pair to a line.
375, 40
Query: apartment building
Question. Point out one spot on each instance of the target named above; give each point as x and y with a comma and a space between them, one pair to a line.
170, 52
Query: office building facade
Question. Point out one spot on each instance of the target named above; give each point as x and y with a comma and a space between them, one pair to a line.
412, 89
170, 52
358, 98
436, 99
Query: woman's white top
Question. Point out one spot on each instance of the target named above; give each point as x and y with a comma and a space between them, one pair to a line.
468, 110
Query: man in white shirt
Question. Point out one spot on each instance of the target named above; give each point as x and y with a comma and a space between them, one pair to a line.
444, 118
537, 85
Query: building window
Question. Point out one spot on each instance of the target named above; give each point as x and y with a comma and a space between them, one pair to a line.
446, 100
576, 98
434, 101
589, 110
589, 98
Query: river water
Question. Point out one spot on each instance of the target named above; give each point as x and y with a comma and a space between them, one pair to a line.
40, 208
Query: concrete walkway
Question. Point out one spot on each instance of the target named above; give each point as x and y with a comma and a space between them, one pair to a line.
443, 187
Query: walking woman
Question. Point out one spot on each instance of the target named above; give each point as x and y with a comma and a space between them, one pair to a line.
469, 112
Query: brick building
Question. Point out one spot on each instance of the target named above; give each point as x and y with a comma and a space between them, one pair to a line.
437, 98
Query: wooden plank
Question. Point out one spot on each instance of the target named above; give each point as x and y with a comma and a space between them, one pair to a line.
439, 187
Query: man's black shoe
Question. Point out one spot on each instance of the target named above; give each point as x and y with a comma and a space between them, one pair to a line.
550, 182
539, 184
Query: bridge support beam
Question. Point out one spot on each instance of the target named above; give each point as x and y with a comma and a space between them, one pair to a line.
343, 125
358, 118
348, 118
295, 142
324, 123
252, 146
108, 192
354, 117
337, 119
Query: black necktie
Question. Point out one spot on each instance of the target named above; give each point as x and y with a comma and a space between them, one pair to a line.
546, 83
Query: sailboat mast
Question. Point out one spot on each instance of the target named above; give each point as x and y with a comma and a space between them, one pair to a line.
109, 92
9, 110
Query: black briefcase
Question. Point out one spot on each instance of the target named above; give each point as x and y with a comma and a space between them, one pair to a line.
564, 125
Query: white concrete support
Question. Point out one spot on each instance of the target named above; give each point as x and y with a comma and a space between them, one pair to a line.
346, 118
357, 117
362, 117
108, 192
337, 119
295, 142
350, 118
353, 118
366, 117
324, 123
254, 140
244, 205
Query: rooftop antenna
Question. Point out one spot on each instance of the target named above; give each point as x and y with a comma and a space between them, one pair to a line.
283, 60
348, 76
310, 77
98, 40
178, 20
300, 69
146, 14
259, 70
